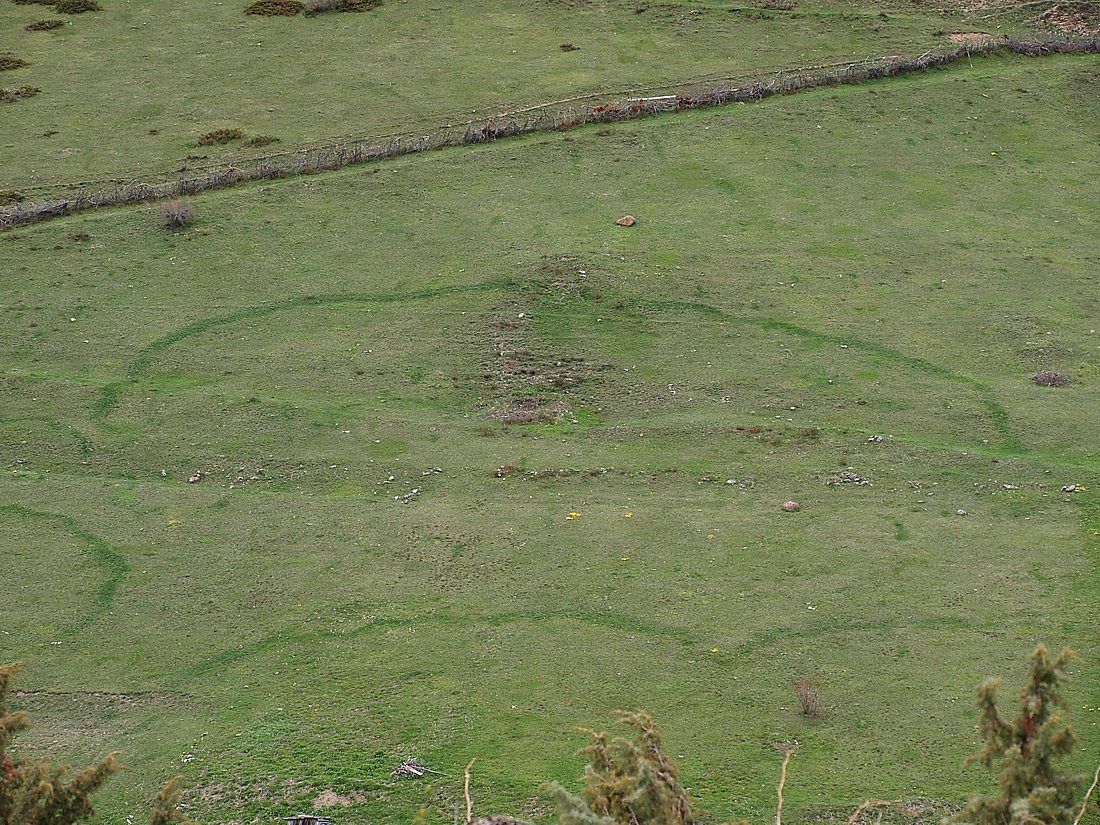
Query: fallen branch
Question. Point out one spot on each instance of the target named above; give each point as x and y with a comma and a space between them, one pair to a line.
466, 789
870, 803
1085, 802
788, 752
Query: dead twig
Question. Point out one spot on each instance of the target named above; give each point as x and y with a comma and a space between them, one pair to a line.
466, 790
788, 752
1085, 802
870, 803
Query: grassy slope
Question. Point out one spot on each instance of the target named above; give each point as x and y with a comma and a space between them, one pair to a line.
183, 69
812, 252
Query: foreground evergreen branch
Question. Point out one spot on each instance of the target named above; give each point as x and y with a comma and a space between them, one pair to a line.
1033, 789
38, 792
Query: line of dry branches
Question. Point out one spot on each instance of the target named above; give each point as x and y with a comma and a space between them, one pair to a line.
336, 156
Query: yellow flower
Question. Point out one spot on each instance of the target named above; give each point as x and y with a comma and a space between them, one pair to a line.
628, 515
710, 535
572, 516
624, 558
714, 650
172, 522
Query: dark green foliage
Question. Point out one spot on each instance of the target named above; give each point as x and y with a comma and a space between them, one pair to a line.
628, 781
11, 196
1033, 790
219, 136
44, 25
77, 6
274, 8
8, 62
34, 2
39, 793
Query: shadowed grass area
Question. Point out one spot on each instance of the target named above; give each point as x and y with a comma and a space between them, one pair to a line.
860, 279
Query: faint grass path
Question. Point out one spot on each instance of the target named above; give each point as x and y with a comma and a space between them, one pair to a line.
112, 564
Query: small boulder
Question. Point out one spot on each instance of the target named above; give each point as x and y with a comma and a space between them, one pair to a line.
627, 220
791, 506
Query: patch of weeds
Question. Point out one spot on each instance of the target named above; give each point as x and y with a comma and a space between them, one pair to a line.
275, 8
177, 214
261, 140
778, 5
14, 93
219, 136
34, 2
315, 7
77, 6
9, 62
1049, 378
8, 196
569, 47
44, 25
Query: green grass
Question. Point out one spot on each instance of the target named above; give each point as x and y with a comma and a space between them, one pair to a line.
127, 91
806, 272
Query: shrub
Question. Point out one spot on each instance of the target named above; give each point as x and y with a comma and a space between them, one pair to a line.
14, 93
219, 136
275, 8
34, 2
628, 781
809, 697
1048, 378
8, 62
314, 7
35, 792
11, 196
262, 140
1033, 791
44, 25
77, 6
177, 214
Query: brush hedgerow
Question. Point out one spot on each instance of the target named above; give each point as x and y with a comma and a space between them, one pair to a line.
44, 25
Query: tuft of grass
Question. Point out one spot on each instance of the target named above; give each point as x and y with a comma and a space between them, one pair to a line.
177, 214
275, 8
14, 93
261, 140
77, 6
1049, 378
44, 25
809, 697
315, 7
11, 196
9, 62
219, 136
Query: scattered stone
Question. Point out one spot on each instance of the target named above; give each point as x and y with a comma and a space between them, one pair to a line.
196, 478
961, 513
410, 768
1073, 488
847, 477
627, 220
791, 506
1011, 486
875, 439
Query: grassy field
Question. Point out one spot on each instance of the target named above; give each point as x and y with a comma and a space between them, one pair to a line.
351, 583
127, 91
